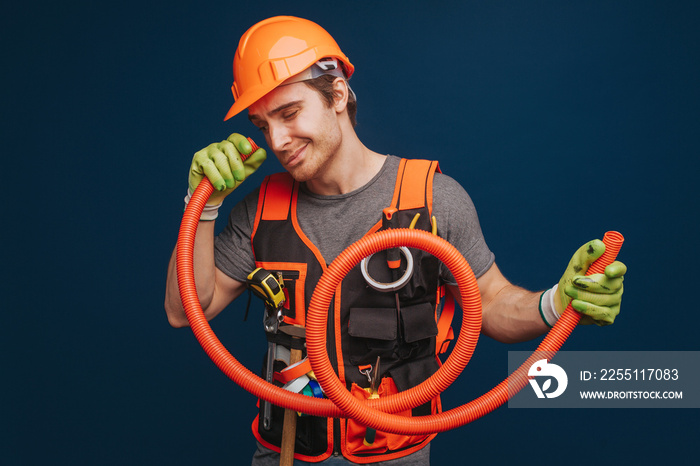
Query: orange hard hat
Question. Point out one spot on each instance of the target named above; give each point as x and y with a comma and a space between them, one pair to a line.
274, 50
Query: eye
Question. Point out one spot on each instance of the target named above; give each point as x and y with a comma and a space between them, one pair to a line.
290, 114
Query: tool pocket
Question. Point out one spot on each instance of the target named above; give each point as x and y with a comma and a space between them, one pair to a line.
394, 336
373, 332
311, 431
294, 278
418, 322
422, 285
383, 442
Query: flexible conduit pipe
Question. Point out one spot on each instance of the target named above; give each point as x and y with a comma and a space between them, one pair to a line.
376, 413
384, 421
450, 370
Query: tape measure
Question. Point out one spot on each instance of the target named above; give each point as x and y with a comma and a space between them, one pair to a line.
266, 286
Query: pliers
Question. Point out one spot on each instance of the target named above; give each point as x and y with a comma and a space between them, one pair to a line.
373, 376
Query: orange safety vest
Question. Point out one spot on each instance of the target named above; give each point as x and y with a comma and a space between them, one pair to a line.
363, 323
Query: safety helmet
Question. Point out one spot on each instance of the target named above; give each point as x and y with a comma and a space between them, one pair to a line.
274, 50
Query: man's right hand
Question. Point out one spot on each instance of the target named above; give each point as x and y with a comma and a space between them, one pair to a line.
223, 165
596, 296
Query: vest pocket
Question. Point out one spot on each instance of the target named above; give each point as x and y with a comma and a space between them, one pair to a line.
373, 332
294, 276
311, 431
383, 441
418, 322
373, 323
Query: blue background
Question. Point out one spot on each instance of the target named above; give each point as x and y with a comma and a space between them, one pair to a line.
561, 119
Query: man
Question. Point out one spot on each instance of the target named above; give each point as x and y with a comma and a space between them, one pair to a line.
292, 78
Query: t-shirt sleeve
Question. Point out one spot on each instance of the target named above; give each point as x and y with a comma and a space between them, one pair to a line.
458, 223
233, 252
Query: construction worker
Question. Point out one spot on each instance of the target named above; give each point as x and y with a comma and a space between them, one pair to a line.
292, 78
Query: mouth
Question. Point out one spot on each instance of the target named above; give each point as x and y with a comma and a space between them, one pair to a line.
297, 156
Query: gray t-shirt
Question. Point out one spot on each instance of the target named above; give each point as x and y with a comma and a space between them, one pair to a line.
334, 222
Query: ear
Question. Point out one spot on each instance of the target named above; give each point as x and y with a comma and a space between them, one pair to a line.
340, 94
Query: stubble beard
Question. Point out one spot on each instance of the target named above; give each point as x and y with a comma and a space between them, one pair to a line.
320, 154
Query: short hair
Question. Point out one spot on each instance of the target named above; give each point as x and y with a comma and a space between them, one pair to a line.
324, 86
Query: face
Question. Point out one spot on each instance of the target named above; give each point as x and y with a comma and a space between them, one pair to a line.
299, 127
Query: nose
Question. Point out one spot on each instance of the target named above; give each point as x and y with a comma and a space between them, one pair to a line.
278, 137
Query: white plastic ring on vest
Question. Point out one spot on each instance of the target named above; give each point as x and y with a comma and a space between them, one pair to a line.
392, 286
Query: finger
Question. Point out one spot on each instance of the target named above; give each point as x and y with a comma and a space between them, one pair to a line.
227, 159
241, 142
586, 255
599, 314
203, 165
221, 160
253, 162
586, 320
598, 283
209, 168
599, 299
616, 269
234, 160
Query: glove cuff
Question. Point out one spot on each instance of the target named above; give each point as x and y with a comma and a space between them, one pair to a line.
548, 311
210, 212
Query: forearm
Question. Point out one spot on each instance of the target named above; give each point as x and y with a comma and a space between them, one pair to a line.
223, 165
510, 313
513, 315
204, 273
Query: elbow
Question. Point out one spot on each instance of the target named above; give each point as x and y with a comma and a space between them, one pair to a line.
508, 339
176, 315
499, 336
506, 329
177, 322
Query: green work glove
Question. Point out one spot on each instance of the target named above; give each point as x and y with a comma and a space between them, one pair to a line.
222, 164
596, 296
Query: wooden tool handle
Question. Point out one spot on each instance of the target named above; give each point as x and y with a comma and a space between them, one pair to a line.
289, 429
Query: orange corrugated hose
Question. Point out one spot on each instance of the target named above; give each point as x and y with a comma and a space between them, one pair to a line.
375, 413
384, 421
